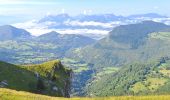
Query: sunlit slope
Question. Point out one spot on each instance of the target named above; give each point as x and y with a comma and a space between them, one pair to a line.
6, 94
126, 44
49, 78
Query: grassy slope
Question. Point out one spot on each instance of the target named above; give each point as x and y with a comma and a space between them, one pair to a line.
47, 67
24, 77
54, 71
17, 78
108, 52
136, 79
147, 52
6, 94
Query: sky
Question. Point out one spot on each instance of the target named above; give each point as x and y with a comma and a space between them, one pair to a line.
32, 9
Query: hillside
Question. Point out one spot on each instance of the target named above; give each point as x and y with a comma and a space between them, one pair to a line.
144, 43
66, 41
49, 78
151, 78
26, 50
6, 94
47, 47
125, 44
8, 32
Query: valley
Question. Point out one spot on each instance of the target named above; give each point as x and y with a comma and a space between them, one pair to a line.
125, 62
84, 50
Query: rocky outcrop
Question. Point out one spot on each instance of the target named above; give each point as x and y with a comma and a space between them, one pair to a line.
3, 83
67, 85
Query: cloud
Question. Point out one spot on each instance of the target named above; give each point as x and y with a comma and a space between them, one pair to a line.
83, 31
34, 24
156, 7
40, 31
37, 29
92, 23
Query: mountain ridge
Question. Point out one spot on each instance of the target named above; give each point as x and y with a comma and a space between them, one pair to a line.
9, 32
116, 48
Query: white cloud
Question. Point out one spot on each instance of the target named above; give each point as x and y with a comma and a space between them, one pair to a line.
83, 31
84, 12
156, 7
41, 28
63, 11
37, 32
33, 24
92, 23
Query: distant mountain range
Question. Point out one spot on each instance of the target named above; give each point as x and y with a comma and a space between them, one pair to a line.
94, 26
72, 40
149, 15
8, 32
97, 18
16, 42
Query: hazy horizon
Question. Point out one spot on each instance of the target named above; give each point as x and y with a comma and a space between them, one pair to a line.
26, 14
38, 8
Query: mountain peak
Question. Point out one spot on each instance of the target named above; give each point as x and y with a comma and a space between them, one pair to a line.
56, 18
8, 32
8, 26
135, 33
63, 15
52, 34
150, 21
149, 15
